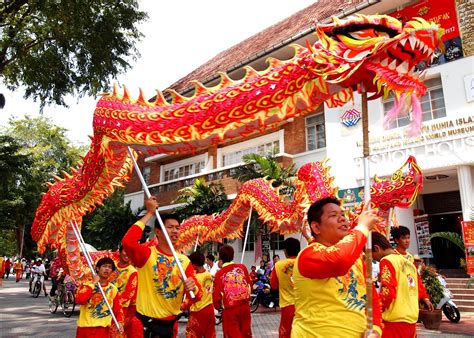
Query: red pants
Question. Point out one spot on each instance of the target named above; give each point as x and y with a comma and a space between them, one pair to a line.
236, 321
202, 323
398, 330
18, 275
287, 314
92, 332
133, 326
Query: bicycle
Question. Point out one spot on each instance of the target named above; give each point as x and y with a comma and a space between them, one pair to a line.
65, 297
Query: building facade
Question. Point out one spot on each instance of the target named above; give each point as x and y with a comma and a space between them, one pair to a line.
444, 150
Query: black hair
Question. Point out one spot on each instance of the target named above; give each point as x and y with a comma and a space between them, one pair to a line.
226, 253
399, 231
197, 258
120, 248
210, 257
105, 260
164, 218
380, 240
275, 256
291, 246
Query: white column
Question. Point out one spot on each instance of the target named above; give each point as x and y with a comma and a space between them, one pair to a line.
466, 190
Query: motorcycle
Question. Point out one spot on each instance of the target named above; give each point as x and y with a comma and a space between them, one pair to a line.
449, 308
262, 294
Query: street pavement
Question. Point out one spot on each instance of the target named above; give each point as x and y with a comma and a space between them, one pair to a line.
21, 315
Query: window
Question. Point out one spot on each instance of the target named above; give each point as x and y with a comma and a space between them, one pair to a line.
146, 174
432, 104
261, 149
276, 241
315, 132
183, 171
250, 245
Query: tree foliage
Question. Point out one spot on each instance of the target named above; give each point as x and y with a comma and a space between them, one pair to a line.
55, 48
105, 227
34, 150
450, 236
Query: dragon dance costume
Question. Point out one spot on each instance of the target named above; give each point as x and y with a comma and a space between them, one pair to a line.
282, 279
202, 321
232, 293
330, 289
161, 288
95, 318
401, 290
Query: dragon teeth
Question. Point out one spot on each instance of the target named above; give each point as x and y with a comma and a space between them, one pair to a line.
403, 68
403, 41
384, 62
393, 65
412, 40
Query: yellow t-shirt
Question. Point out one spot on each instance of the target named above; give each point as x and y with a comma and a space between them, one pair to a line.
205, 280
95, 312
284, 272
405, 306
120, 279
161, 288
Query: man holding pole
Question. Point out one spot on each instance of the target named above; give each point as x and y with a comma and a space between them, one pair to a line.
329, 275
95, 318
160, 286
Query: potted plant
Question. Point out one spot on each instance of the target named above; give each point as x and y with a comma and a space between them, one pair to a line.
434, 288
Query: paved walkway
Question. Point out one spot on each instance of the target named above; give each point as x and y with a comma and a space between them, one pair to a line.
24, 316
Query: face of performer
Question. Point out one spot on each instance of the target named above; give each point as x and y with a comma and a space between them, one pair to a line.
124, 257
172, 228
104, 271
333, 225
403, 242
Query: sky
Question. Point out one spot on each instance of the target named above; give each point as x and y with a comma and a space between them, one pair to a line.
179, 37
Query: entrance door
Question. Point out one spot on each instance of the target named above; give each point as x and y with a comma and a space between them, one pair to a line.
446, 254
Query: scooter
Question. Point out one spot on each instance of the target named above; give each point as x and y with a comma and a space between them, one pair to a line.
262, 294
449, 308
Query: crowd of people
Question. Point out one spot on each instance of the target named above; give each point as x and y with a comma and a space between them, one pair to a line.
317, 286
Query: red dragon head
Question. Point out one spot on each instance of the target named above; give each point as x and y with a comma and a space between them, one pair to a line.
379, 53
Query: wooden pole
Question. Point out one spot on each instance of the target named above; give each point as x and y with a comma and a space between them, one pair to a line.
368, 246
246, 236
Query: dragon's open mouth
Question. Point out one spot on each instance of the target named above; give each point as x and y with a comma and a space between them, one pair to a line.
402, 66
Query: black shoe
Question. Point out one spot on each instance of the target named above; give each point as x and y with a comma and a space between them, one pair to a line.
45, 294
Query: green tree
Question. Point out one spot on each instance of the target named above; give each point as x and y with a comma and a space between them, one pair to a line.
49, 152
55, 48
105, 227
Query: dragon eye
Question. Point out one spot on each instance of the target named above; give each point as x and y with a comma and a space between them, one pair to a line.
367, 34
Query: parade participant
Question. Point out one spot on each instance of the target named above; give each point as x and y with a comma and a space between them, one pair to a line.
282, 280
329, 275
2, 269
54, 271
94, 317
126, 280
8, 267
401, 237
18, 268
160, 287
38, 271
232, 294
202, 321
401, 290
211, 266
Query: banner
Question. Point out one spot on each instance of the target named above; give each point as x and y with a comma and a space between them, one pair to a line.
468, 234
444, 14
422, 228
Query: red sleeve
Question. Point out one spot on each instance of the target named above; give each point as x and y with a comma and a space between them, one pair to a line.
190, 273
130, 289
377, 308
117, 308
217, 291
326, 262
388, 281
422, 294
83, 294
137, 252
274, 279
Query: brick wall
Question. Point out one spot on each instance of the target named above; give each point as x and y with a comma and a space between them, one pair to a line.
295, 136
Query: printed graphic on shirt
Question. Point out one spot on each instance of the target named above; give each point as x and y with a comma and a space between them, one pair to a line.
120, 278
348, 291
207, 285
97, 307
165, 281
235, 286
288, 270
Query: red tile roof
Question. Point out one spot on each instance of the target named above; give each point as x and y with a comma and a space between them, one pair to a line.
292, 26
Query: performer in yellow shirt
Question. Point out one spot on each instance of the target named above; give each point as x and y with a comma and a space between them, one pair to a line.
160, 287
202, 321
95, 318
282, 279
401, 237
400, 292
329, 275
